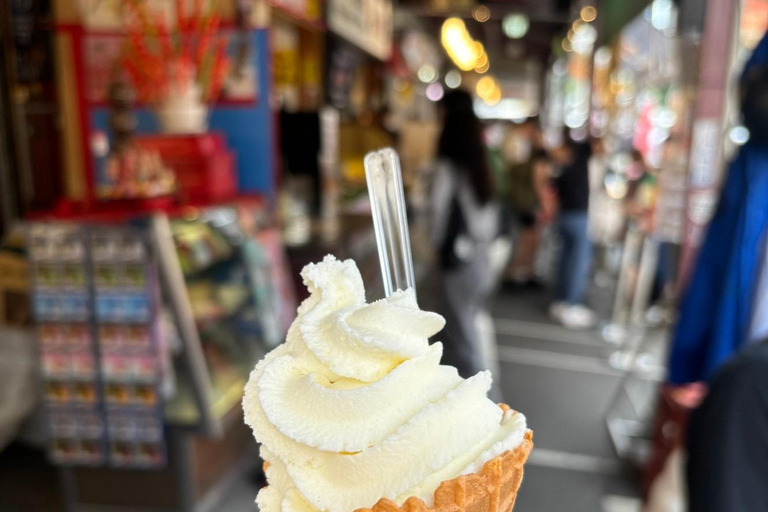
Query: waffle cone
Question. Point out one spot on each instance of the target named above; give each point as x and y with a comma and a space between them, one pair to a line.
492, 489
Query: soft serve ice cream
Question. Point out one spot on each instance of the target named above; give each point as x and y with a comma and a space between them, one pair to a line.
355, 406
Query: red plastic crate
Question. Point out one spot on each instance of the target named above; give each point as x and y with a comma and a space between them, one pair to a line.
204, 167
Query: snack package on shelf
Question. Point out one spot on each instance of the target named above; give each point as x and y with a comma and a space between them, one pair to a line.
126, 298
61, 305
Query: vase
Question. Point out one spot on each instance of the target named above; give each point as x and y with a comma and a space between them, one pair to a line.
183, 112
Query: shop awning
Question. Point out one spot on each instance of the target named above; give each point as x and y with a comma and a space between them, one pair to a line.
615, 14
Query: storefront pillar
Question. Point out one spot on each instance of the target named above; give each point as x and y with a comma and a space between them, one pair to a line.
706, 158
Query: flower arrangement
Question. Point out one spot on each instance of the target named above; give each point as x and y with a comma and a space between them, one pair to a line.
163, 62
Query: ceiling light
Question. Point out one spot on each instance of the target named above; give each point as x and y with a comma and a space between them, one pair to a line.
464, 51
454, 24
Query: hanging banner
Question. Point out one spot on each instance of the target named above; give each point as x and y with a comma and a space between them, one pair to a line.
365, 23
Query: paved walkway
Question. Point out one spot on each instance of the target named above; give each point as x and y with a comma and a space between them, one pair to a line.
562, 381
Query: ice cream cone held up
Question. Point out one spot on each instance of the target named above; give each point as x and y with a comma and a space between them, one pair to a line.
355, 413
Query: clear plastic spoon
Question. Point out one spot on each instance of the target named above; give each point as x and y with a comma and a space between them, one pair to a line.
390, 222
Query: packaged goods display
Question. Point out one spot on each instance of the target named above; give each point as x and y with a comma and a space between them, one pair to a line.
95, 301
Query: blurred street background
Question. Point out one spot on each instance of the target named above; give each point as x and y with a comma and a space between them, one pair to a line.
167, 167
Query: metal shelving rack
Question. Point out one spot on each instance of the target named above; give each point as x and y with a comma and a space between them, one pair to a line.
640, 353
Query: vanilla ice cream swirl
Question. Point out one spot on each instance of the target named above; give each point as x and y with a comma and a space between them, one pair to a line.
355, 406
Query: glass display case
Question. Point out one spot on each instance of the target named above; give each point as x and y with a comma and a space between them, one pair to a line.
228, 287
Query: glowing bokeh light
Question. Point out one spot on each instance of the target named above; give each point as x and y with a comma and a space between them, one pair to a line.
427, 73
515, 25
459, 45
603, 57
453, 79
588, 13
739, 135
435, 92
481, 13
399, 85
661, 14
485, 86
483, 68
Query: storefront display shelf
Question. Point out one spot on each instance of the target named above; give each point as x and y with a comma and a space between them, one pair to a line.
217, 311
226, 395
210, 267
216, 323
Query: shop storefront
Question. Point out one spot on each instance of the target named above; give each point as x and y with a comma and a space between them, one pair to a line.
157, 218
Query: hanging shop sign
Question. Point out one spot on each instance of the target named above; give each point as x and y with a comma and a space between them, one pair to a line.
704, 153
705, 165
419, 49
365, 23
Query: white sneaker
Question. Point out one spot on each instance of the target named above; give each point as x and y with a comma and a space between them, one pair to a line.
577, 317
655, 315
556, 310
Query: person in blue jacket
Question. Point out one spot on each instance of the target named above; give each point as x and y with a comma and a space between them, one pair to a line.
722, 336
725, 305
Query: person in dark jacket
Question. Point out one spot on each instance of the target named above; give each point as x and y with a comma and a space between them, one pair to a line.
728, 438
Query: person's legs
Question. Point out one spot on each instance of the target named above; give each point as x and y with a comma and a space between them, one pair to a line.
573, 274
459, 337
530, 240
522, 265
566, 255
580, 259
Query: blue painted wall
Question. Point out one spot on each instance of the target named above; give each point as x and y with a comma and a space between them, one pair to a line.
248, 128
